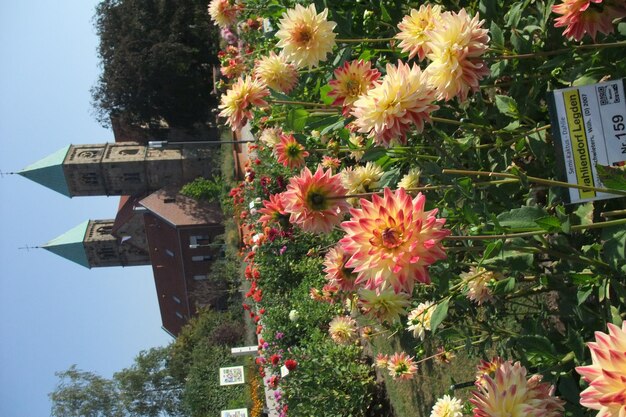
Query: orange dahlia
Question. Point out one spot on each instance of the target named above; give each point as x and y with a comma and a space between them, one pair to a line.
273, 210
352, 80
607, 373
289, 152
305, 36
413, 30
583, 17
507, 392
393, 240
403, 100
308, 203
223, 13
336, 271
456, 46
401, 366
276, 73
237, 102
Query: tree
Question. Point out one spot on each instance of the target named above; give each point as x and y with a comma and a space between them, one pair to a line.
146, 389
85, 394
156, 58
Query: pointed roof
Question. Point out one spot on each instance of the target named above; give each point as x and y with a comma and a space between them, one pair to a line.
49, 172
70, 245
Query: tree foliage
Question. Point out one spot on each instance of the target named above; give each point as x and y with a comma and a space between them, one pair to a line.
156, 59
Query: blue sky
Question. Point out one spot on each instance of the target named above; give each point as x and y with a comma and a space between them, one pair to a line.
54, 313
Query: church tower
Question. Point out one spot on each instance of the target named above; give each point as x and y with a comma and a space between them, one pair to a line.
124, 168
92, 245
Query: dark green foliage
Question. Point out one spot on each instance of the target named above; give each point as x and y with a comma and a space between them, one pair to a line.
156, 59
204, 189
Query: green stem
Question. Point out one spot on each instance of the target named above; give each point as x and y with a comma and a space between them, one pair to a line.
535, 180
364, 40
614, 213
540, 54
515, 138
300, 103
459, 123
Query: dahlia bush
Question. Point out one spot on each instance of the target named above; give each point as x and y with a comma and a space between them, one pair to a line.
404, 204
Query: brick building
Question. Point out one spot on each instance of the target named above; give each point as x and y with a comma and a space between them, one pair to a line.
154, 225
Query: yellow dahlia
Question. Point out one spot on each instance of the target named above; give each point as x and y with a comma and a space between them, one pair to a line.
352, 80
236, 104
413, 30
361, 179
342, 330
507, 392
477, 281
383, 305
356, 141
456, 46
401, 366
276, 73
401, 101
305, 36
419, 319
336, 271
606, 375
308, 203
447, 406
411, 179
587, 17
223, 12
393, 240
271, 136
289, 152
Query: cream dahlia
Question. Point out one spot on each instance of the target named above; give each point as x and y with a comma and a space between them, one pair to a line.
271, 136
401, 101
289, 152
352, 80
401, 366
606, 375
305, 36
383, 305
418, 320
477, 281
343, 330
336, 271
307, 200
411, 179
456, 46
276, 73
361, 179
447, 406
273, 210
237, 102
507, 392
583, 17
413, 30
223, 12
393, 240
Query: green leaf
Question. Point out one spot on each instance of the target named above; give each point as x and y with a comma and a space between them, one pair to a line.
616, 319
507, 106
568, 389
514, 14
440, 314
536, 346
612, 177
583, 293
296, 119
373, 154
614, 247
497, 37
324, 94
549, 224
385, 14
523, 218
584, 213
504, 286
584, 80
621, 28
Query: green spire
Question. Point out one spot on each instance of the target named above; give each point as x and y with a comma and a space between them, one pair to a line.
49, 172
70, 245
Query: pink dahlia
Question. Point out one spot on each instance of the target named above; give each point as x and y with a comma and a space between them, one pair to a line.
587, 17
393, 240
351, 81
507, 392
336, 271
307, 200
273, 210
456, 47
401, 101
238, 101
289, 152
401, 366
607, 373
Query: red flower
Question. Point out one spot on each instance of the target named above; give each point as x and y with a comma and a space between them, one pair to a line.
291, 364
275, 359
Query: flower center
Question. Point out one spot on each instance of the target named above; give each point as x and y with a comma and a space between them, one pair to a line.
316, 200
391, 238
293, 150
353, 87
302, 35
